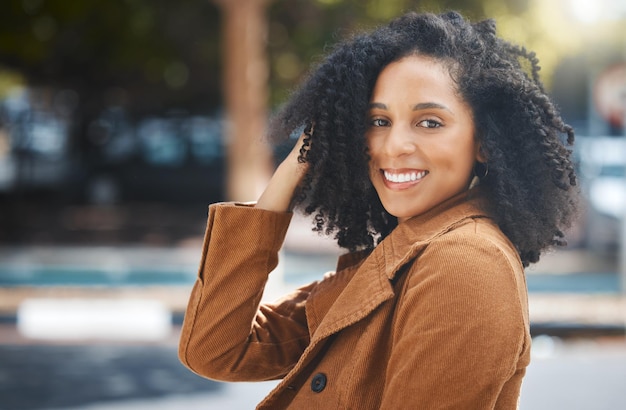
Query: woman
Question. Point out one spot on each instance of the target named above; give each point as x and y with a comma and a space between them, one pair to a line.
438, 163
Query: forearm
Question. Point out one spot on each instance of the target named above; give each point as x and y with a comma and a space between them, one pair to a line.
278, 194
240, 249
224, 334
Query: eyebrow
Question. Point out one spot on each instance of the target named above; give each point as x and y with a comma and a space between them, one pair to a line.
416, 107
427, 105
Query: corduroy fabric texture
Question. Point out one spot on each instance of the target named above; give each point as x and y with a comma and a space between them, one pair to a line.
435, 317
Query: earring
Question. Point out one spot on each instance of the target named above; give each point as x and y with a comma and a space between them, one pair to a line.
476, 179
485, 169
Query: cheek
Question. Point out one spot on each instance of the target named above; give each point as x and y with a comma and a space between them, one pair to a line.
456, 164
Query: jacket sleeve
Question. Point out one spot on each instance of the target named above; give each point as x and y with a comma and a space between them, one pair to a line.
460, 329
225, 334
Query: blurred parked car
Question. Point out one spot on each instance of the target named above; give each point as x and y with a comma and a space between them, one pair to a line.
171, 159
34, 147
176, 158
602, 167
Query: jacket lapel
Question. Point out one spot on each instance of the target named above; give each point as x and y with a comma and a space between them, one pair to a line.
365, 290
357, 291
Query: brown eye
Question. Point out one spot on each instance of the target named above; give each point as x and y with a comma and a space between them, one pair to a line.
429, 124
379, 122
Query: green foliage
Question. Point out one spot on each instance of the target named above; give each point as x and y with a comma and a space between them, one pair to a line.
302, 30
154, 55
159, 53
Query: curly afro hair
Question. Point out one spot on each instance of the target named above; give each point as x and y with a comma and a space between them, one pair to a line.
530, 181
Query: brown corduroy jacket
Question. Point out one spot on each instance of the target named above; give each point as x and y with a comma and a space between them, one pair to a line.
435, 317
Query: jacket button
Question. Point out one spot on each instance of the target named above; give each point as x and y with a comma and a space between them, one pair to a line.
318, 383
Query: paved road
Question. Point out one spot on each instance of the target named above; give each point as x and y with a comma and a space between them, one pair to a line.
578, 375
585, 375
48, 376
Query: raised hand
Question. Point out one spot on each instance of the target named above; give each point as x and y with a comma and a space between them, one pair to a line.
279, 191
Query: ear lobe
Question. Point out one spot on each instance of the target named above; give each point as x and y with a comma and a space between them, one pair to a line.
480, 155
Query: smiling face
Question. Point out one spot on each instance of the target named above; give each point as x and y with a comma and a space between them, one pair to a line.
420, 137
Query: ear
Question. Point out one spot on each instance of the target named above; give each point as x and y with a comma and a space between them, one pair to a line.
480, 154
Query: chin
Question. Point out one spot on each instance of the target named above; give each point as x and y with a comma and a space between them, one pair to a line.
402, 215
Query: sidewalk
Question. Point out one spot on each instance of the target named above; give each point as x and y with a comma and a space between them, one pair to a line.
570, 287
233, 396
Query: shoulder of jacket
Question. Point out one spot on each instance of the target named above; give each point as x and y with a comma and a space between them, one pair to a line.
478, 242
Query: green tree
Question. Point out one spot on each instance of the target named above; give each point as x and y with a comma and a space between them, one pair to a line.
301, 30
147, 56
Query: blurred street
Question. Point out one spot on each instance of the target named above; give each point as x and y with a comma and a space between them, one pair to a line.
577, 314
576, 375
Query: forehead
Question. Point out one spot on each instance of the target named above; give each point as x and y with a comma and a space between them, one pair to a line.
417, 76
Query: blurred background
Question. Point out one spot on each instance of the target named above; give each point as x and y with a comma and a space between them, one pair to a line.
121, 120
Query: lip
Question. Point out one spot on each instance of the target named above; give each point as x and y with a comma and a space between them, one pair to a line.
400, 179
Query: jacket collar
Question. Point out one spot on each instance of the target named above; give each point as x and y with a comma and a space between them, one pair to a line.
370, 285
402, 245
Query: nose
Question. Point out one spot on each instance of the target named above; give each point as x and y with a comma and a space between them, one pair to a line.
399, 141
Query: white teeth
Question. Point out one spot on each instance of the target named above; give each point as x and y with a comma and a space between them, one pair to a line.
406, 177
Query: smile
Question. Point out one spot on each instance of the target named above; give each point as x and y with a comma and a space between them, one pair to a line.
401, 177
